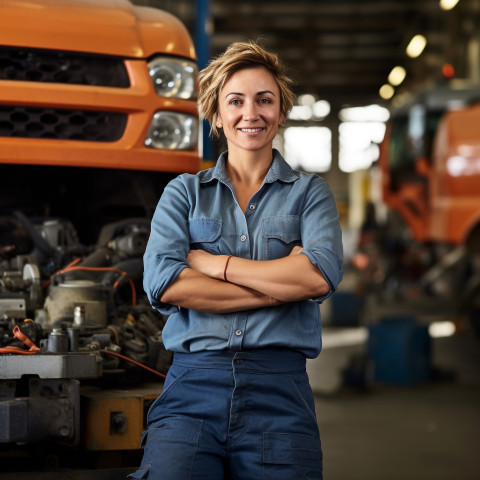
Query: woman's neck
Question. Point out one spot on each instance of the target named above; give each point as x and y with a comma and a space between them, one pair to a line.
248, 168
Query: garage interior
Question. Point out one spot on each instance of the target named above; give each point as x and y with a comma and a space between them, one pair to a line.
343, 52
397, 385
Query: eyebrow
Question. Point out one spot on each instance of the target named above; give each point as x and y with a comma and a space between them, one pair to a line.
263, 92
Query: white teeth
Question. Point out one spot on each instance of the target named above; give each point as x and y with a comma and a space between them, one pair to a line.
250, 130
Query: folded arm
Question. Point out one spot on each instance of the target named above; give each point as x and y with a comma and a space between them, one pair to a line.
288, 279
196, 291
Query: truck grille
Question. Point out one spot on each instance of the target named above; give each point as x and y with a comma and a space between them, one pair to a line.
61, 124
56, 66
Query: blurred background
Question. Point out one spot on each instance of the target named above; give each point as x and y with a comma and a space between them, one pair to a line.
387, 111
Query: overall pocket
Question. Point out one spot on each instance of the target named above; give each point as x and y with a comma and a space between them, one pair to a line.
288, 456
170, 449
175, 375
302, 389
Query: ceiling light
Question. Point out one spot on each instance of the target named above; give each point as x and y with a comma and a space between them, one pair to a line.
306, 99
321, 109
397, 76
448, 4
416, 46
300, 112
386, 91
369, 113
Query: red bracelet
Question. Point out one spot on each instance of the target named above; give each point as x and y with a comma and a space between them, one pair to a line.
225, 270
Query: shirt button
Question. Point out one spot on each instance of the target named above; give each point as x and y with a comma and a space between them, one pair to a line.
243, 238
252, 206
238, 333
238, 362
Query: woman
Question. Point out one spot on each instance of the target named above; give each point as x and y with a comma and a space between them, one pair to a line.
239, 257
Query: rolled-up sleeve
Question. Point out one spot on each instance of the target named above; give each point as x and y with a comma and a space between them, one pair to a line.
168, 245
321, 233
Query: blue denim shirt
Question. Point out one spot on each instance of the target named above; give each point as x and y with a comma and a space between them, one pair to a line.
201, 212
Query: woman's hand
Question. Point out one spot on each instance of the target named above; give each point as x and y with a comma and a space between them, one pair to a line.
211, 265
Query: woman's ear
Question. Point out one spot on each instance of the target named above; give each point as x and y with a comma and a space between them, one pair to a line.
218, 122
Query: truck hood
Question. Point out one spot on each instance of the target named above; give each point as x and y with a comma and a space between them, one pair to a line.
113, 27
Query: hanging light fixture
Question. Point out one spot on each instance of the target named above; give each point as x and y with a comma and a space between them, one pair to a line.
448, 4
416, 46
386, 91
397, 76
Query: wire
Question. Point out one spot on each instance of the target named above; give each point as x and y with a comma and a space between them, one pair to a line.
34, 349
16, 350
123, 357
114, 332
71, 267
17, 333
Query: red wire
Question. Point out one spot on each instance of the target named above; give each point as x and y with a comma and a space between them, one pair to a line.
34, 349
134, 362
16, 350
17, 333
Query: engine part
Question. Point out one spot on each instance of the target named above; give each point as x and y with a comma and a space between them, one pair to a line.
57, 341
50, 412
13, 305
131, 245
90, 296
114, 418
43, 365
92, 322
20, 288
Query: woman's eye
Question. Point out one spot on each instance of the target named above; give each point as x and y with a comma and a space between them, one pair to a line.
235, 102
264, 100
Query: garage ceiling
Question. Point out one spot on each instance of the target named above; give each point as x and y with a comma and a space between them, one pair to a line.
343, 50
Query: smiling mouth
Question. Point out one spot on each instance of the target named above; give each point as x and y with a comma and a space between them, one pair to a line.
250, 130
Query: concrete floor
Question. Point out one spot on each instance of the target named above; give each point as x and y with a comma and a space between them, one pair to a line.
424, 432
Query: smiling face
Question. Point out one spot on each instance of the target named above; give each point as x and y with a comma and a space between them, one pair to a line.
249, 109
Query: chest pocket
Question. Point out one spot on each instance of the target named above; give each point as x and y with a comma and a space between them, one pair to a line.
205, 234
280, 234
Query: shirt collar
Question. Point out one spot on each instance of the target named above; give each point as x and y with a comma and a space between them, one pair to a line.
279, 170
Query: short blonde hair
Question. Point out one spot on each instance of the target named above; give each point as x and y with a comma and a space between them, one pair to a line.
239, 55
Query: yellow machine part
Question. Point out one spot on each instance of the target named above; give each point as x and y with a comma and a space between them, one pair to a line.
114, 419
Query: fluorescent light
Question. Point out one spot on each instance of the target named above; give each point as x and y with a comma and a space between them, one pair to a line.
448, 4
441, 329
300, 112
416, 46
386, 91
321, 109
306, 99
369, 113
345, 337
397, 76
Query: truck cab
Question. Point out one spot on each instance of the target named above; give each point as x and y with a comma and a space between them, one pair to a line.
421, 143
97, 113
430, 171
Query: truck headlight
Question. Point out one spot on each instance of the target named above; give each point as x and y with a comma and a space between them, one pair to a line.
173, 77
173, 131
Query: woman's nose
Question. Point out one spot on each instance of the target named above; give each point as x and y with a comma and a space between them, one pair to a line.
250, 111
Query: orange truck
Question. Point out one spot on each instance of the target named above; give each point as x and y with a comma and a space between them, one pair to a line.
430, 164
97, 84
97, 113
